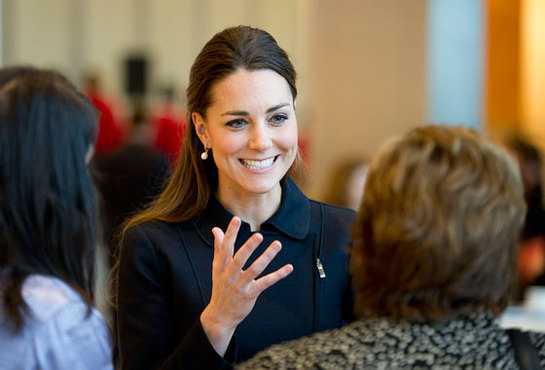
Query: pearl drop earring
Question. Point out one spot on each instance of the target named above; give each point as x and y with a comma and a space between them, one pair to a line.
204, 155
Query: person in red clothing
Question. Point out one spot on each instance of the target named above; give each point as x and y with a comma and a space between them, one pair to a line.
109, 133
170, 122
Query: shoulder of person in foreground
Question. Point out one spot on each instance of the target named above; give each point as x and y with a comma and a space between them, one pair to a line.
329, 349
538, 341
334, 349
59, 331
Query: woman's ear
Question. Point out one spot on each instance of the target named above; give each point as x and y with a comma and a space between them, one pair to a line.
200, 128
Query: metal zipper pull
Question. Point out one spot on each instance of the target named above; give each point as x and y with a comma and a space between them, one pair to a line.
321, 270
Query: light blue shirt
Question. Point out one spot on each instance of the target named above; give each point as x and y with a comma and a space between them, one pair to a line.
57, 334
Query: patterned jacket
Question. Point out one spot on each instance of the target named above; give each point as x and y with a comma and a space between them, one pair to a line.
381, 343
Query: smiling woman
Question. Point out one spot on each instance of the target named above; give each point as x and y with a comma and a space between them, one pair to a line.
251, 130
190, 296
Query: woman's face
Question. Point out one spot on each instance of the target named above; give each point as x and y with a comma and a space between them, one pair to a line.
251, 129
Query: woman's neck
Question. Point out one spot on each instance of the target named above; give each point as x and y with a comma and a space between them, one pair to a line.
250, 207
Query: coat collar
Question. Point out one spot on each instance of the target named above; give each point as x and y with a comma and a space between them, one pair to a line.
291, 219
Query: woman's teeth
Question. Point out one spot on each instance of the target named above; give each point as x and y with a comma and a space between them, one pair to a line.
257, 165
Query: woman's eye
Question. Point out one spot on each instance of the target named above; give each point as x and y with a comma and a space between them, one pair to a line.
278, 119
236, 123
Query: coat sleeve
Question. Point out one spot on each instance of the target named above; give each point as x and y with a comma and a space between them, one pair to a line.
144, 318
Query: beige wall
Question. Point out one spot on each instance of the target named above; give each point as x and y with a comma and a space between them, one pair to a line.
37, 32
367, 78
75, 35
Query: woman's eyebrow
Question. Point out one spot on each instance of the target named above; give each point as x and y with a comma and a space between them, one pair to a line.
244, 113
236, 113
276, 107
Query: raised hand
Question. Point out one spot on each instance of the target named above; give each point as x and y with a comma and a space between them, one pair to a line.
234, 290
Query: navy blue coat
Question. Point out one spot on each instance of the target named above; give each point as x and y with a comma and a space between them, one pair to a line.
165, 282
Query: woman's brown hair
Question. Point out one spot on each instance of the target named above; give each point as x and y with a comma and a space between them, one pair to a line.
437, 232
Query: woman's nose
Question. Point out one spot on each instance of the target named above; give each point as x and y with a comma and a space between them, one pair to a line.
260, 138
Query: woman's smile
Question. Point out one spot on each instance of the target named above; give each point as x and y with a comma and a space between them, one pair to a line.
260, 165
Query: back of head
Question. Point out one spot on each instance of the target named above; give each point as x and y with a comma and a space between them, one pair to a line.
47, 210
437, 232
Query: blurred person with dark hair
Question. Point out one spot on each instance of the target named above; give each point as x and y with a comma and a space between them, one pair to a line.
129, 177
531, 251
47, 226
433, 257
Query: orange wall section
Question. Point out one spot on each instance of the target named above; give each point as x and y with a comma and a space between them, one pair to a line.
502, 111
532, 72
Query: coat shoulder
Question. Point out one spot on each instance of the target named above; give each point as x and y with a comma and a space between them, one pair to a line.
155, 230
334, 213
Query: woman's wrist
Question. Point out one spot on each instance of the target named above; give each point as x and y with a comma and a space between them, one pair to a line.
216, 331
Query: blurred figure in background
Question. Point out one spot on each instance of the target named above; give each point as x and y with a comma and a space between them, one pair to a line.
170, 123
127, 178
433, 257
130, 177
47, 226
531, 260
110, 134
347, 184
